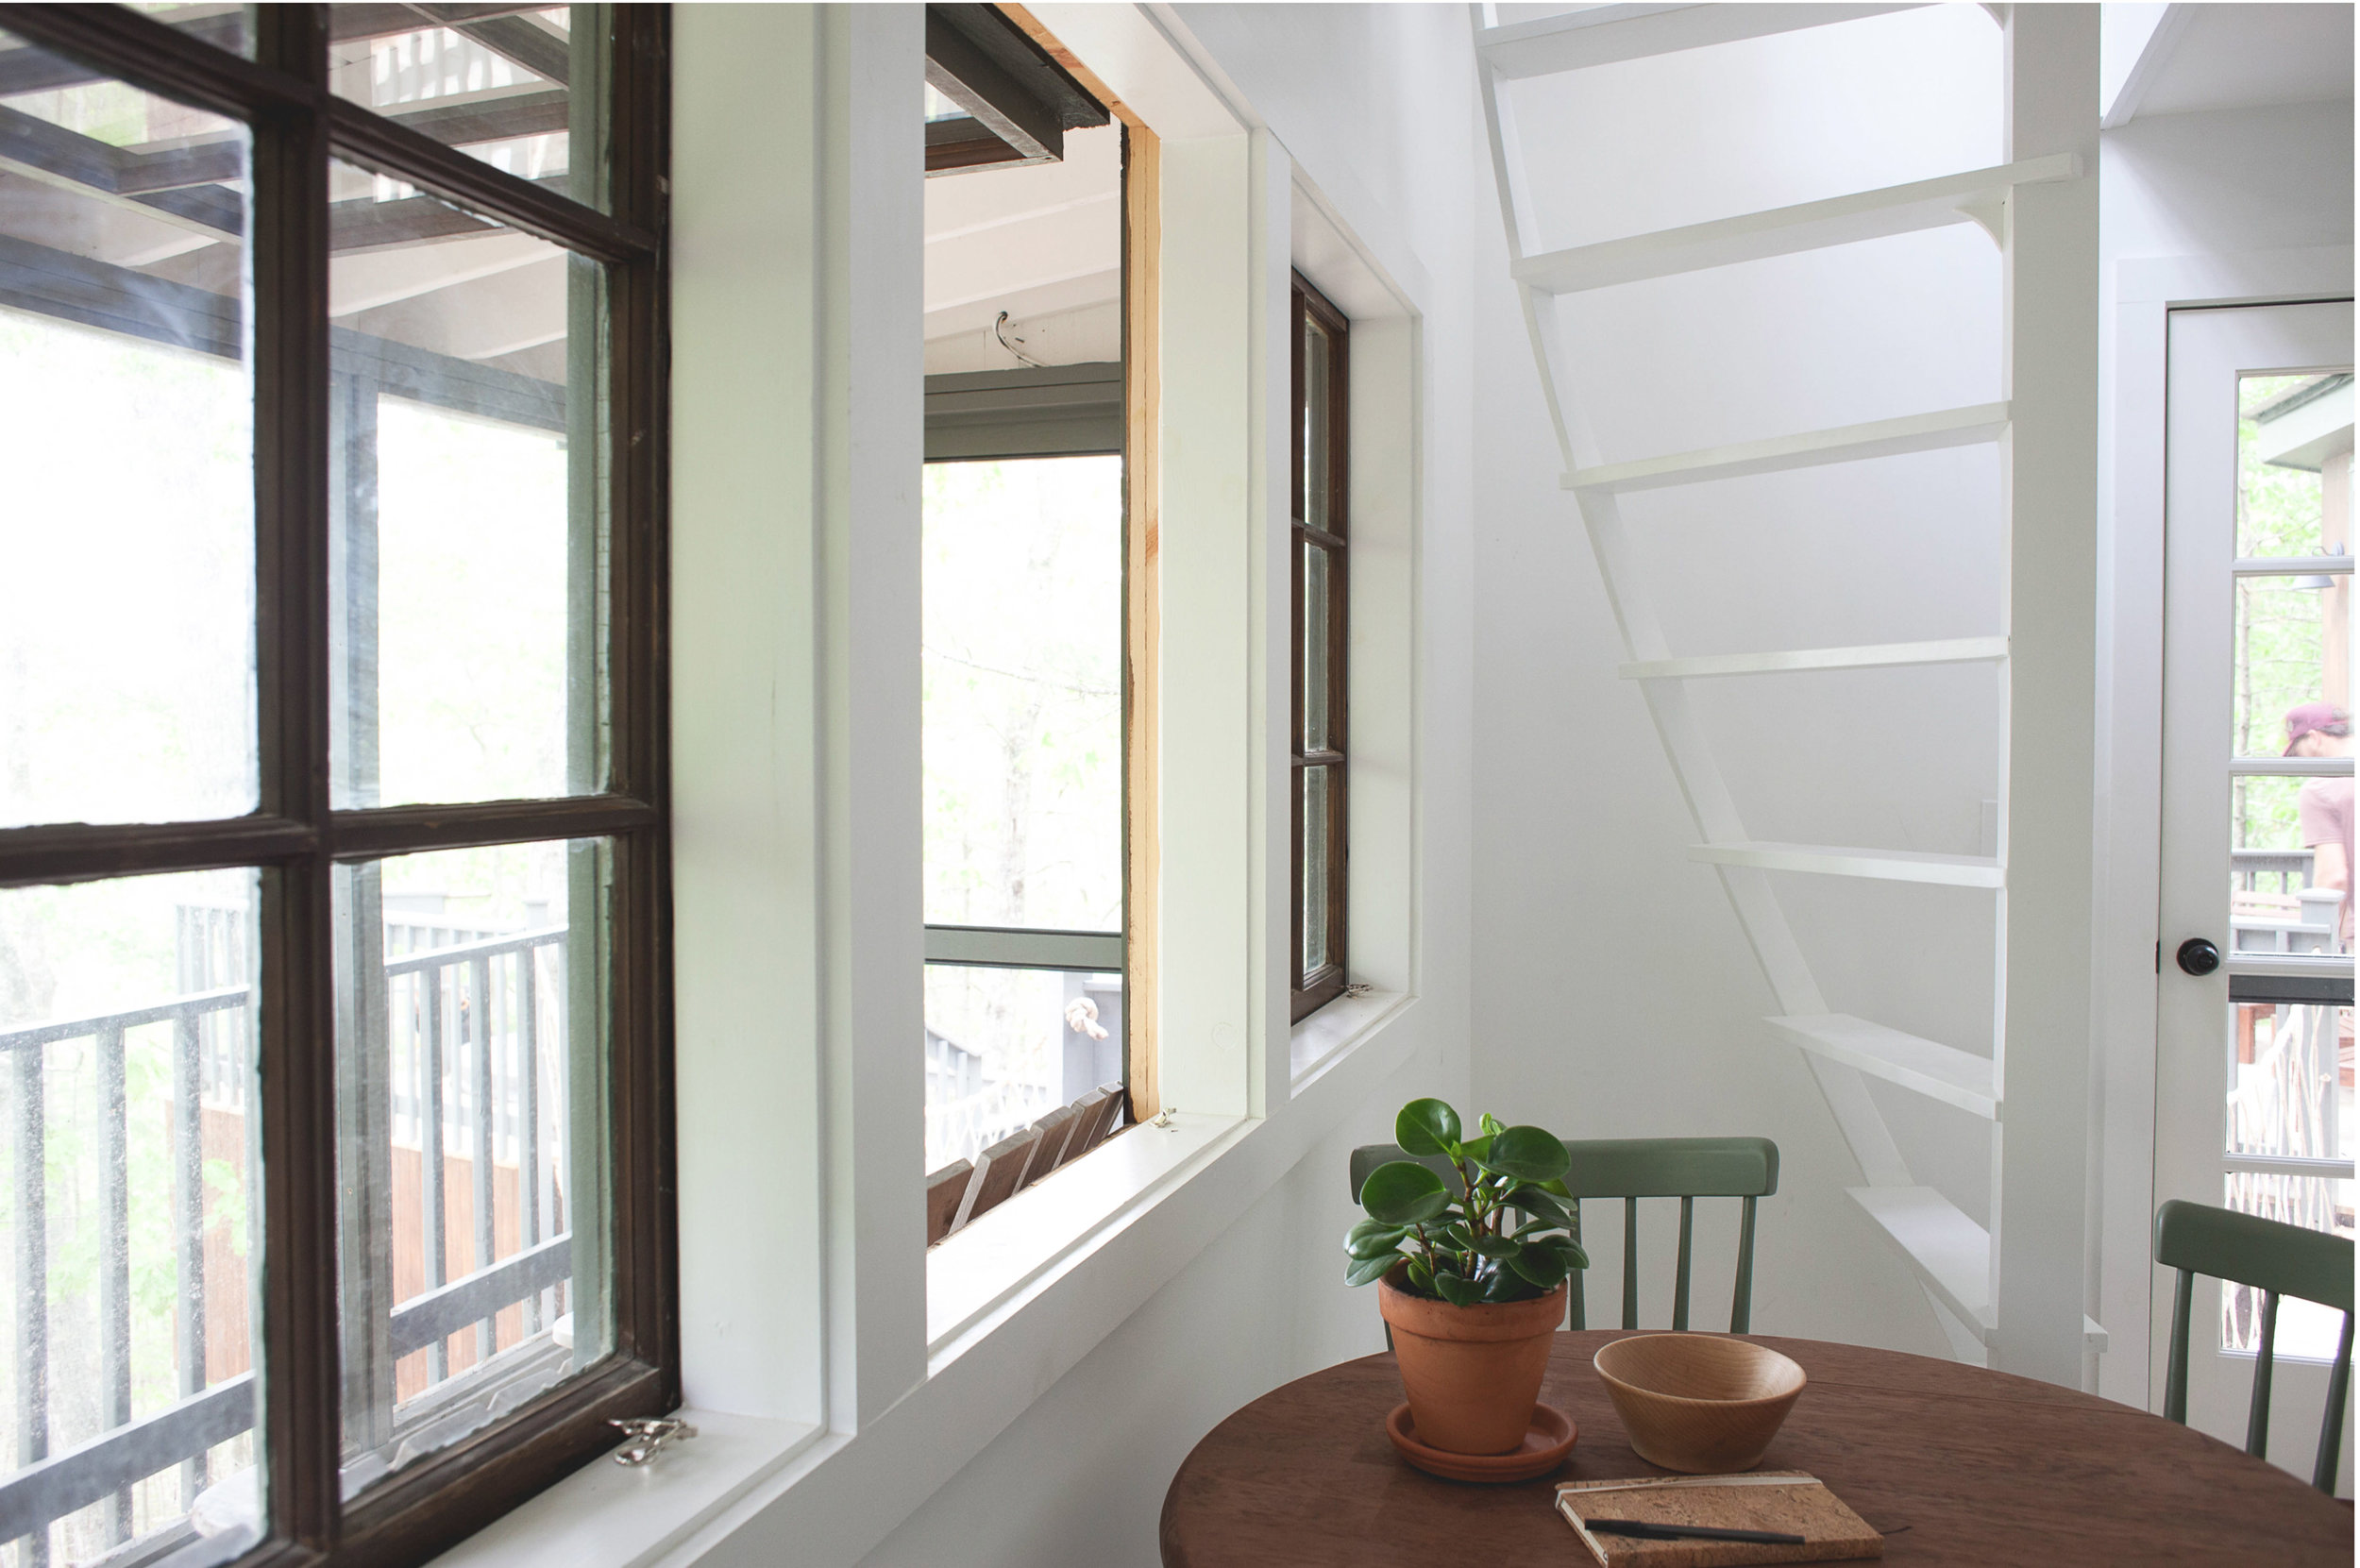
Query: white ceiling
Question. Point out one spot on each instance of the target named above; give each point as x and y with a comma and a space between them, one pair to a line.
1034, 240
2255, 55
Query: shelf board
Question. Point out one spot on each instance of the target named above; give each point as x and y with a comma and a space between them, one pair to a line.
1915, 433
1973, 197
1948, 871
1955, 650
1603, 35
1938, 1072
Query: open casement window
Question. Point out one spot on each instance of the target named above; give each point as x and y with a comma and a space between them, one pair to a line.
994, 96
1321, 574
333, 1001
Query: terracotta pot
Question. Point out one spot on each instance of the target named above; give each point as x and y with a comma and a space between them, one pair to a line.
1472, 1374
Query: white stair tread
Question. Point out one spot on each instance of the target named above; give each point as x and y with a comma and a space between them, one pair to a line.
1950, 1252
1601, 35
1785, 231
1953, 650
1949, 871
1943, 1073
1915, 433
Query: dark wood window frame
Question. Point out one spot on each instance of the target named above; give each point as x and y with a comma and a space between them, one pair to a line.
1314, 987
297, 840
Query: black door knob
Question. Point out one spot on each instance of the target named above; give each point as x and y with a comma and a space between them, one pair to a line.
2197, 955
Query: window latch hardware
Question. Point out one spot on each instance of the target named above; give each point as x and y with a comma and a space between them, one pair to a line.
1163, 1118
649, 1438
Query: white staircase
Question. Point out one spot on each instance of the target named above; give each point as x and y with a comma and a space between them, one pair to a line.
2040, 209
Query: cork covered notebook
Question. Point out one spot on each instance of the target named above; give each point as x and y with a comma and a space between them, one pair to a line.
1783, 1502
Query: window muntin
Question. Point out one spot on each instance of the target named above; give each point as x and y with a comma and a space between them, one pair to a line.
1319, 578
306, 834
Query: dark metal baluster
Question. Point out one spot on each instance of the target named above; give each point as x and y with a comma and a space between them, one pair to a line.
430, 1150
188, 1225
32, 1279
528, 1115
114, 1261
480, 1026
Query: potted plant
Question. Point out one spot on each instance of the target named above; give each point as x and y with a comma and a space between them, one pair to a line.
1471, 1272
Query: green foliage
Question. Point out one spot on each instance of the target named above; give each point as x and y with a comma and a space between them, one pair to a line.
1502, 1232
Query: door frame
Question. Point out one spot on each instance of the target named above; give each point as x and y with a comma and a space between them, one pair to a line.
2140, 294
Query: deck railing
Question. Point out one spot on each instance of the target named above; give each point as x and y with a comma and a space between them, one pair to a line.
466, 1064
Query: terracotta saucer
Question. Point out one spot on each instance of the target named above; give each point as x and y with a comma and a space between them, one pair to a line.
1550, 1439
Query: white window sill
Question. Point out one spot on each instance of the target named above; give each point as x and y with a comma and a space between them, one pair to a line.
1321, 1040
979, 1269
618, 1516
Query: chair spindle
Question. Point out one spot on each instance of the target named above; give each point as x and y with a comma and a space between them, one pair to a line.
2257, 1421
1742, 1307
2176, 1367
1630, 1264
2332, 1428
1680, 1274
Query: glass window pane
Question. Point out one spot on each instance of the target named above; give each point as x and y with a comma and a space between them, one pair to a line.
128, 1107
471, 1021
2291, 844
2305, 1329
1023, 693
1316, 634
469, 654
2292, 644
1005, 1046
516, 89
2288, 427
1317, 479
1315, 784
127, 613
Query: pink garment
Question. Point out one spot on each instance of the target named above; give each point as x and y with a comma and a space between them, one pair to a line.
2324, 810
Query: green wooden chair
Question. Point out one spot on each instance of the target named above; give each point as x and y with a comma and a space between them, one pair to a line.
1635, 1167
2279, 1260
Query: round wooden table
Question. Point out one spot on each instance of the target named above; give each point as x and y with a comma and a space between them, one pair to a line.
1980, 1467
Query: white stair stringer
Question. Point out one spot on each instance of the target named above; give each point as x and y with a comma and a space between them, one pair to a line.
1953, 1258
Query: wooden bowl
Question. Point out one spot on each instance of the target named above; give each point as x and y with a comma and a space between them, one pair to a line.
1704, 1404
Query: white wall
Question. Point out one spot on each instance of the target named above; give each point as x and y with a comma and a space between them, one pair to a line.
1386, 132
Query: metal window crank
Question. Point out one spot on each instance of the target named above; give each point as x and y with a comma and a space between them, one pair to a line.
649, 1438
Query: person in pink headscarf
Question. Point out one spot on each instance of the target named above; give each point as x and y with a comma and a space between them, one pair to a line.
2323, 807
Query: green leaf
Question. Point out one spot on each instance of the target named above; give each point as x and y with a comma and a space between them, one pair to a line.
1539, 1263
1569, 1248
1369, 1228
1504, 1285
1363, 1270
1529, 1152
1495, 1246
1558, 1189
1458, 1292
1533, 1200
1401, 1192
1491, 1124
1421, 1275
1474, 1148
1376, 1243
1426, 1127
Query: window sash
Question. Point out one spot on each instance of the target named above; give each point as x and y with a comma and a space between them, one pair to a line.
296, 839
1313, 988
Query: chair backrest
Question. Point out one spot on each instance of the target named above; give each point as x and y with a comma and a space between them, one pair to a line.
1635, 1167
2277, 1261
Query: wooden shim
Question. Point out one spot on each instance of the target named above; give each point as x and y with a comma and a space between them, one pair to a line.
999, 1173
946, 1189
1056, 1131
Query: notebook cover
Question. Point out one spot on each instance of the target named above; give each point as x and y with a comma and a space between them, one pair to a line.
1789, 1502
